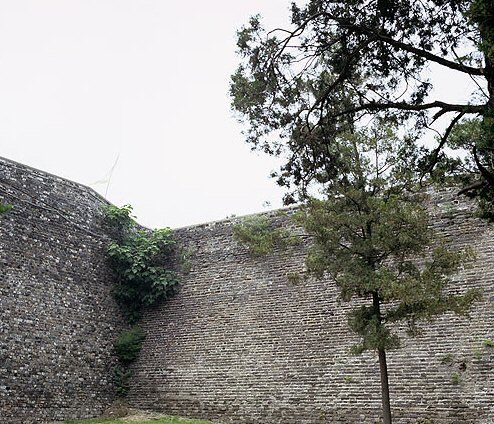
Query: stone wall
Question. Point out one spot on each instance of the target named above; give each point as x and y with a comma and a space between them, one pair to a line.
57, 317
242, 344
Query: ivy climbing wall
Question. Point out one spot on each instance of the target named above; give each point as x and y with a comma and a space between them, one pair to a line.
244, 343
240, 343
57, 316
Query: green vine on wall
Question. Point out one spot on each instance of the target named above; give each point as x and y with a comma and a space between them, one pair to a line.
140, 259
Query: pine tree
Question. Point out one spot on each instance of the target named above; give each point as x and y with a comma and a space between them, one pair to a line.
371, 236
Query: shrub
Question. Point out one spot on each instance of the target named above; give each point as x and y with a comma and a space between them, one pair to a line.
121, 379
447, 359
456, 378
128, 345
260, 237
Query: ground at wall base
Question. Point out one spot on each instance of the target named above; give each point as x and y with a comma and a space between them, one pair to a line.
141, 418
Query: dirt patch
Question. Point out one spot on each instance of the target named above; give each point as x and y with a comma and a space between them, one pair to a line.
141, 416
121, 410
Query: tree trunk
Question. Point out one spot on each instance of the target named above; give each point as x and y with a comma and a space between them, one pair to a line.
383, 368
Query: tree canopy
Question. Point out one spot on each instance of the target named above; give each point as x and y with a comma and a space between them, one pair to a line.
341, 64
373, 238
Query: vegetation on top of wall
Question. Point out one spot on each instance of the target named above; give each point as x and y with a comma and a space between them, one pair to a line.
260, 237
140, 259
119, 220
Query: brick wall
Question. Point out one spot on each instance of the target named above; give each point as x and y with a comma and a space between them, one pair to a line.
57, 317
242, 344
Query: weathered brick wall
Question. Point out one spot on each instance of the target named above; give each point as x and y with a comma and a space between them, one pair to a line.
57, 317
242, 344
239, 343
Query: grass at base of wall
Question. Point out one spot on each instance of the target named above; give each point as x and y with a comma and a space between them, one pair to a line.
163, 420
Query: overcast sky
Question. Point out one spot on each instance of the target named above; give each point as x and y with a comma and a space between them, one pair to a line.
84, 82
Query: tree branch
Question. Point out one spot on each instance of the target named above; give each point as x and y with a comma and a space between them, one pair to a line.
488, 176
404, 46
475, 186
448, 107
442, 142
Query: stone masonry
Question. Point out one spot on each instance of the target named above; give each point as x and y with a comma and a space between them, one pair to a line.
239, 343
57, 316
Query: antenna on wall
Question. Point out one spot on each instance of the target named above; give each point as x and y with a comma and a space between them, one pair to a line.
111, 173
107, 179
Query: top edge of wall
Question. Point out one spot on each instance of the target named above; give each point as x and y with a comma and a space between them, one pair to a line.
209, 224
232, 219
92, 191
239, 218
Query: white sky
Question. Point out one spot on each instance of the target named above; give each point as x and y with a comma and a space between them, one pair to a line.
83, 82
